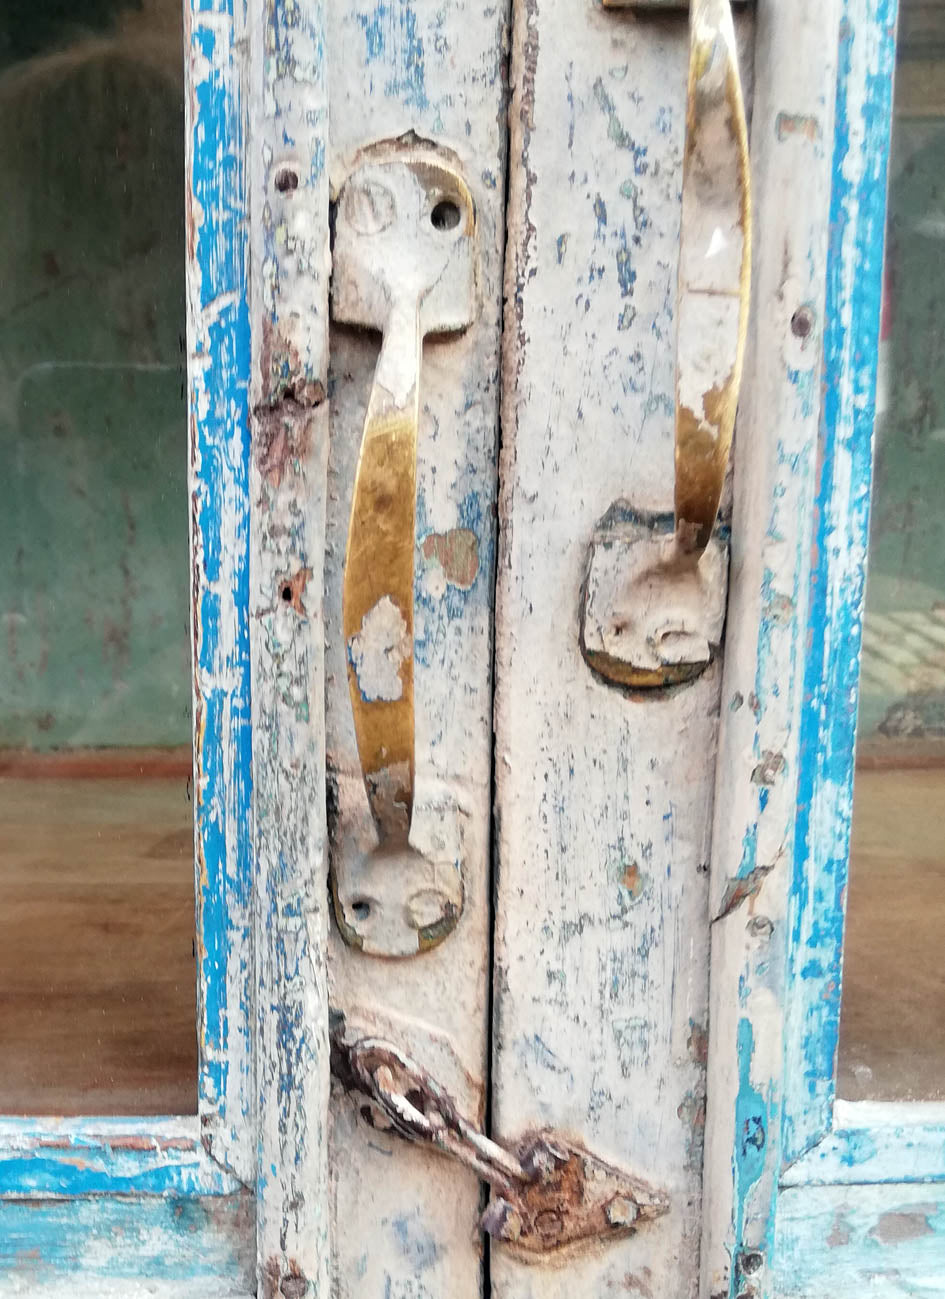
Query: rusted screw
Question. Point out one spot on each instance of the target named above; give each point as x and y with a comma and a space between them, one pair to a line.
622, 1212
501, 1221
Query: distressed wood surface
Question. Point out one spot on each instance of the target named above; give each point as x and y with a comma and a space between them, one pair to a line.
405, 1218
218, 377
792, 130
843, 1242
603, 799
876, 1141
288, 131
786, 763
103, 1247
838, 567
143, 1156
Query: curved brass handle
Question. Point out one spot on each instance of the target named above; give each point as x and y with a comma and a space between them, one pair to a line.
654, 595
714, 272
403, 264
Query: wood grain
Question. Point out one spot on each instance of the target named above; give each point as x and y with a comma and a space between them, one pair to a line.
97, 971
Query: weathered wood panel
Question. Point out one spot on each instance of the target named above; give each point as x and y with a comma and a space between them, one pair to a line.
876, 1142
603, 798
791, 149
838, 566
103, 1247
67, 1157
218, 377
288, 129
843, 1242
405, 1219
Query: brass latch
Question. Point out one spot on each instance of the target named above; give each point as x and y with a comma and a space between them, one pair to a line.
549, 1191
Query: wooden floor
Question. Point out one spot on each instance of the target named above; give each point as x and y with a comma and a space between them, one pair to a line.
892, 1031
97, 970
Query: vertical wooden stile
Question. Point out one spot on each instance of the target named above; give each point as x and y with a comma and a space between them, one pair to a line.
756, 792
288, 208
604, 798
405, 1219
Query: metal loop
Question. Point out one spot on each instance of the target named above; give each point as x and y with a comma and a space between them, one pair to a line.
419, 1109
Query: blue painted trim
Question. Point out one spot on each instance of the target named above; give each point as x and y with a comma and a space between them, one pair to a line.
42, 1158
828, 721
219, 406
120, 1246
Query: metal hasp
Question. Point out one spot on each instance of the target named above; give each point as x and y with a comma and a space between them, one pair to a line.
655, 590
404, 263
549, 1192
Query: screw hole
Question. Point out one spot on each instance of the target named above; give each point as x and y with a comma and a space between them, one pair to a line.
287, 593
802, 322
287, 180
361, 908
445, 216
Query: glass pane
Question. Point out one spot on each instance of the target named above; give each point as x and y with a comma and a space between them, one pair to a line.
892, 1038
97, 970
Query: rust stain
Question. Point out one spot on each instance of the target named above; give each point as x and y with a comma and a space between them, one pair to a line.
739, 890
768, 769
698, 1043
292, 588
283, 373
802, 124
281, 433
457, 553
639, 1284
633, 880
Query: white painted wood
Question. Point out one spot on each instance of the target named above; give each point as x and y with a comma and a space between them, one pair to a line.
603, 799
875, 1141
288, 490
405, 1219
776, 436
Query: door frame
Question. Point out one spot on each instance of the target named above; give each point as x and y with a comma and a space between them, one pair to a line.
232, 1200
800, 1184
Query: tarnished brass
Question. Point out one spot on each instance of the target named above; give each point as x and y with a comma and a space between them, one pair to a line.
714, 272
404, 264
653, 607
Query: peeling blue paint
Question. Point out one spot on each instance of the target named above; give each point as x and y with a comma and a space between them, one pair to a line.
392, 39
828, 722
220, 430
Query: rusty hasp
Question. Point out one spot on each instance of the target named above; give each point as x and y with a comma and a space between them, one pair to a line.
404, 264
654, 599
550, 1192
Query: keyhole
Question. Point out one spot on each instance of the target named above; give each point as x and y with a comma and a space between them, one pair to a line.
445, 216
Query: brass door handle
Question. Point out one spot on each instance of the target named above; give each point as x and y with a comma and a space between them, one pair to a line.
654, 598
404, 264
714, 272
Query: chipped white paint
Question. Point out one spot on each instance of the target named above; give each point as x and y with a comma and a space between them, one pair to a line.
405, 1220
642, 607
288, 208
761, 697
378, 651
603, 799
